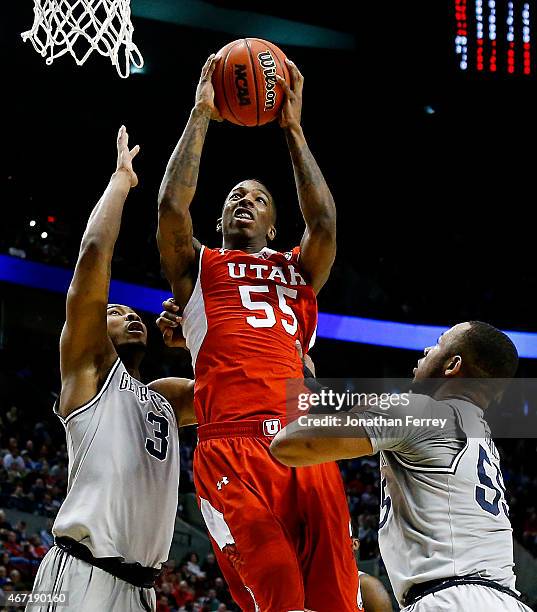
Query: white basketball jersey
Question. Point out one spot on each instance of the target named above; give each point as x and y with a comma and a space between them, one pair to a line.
443, 518
123, 483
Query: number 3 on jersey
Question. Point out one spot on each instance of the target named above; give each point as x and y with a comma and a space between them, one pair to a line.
158, 447
269, 320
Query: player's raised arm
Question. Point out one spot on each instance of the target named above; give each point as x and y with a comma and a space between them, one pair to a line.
174, 236
180, 393
298, 445
318, 246
331, 434
84, 345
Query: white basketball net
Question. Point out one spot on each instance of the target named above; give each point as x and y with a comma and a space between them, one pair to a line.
92, 25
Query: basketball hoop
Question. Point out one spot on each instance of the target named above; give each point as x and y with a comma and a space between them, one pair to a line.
89, 25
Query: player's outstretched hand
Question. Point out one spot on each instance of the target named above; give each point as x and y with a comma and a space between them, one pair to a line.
205, 89
292, 107
169, 323
126, 155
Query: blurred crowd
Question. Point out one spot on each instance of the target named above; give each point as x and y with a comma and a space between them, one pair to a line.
20, 554
182, 587
193, 586
33, 479
519, 469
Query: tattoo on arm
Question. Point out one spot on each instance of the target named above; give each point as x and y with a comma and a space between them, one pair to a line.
318, 245
183, 167
313, 192
307, 172
189, 172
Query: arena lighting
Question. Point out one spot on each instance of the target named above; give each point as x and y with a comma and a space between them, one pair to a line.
138, 70
461, 38
494, 36
331, 326
206, 15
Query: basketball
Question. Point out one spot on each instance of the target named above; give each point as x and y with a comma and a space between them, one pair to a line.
245, 86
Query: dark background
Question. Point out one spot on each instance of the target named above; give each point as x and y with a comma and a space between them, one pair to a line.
435, 210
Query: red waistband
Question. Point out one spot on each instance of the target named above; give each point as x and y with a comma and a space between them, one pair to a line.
266, 428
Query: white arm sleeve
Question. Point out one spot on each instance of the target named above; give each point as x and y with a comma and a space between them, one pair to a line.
426, 443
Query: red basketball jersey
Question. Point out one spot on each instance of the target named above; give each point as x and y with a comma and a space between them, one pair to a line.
241, 324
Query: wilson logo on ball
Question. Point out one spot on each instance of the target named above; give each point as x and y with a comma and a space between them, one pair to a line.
246, 88
241, 83
266, 60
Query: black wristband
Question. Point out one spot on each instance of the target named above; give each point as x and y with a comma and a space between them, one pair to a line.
315, 387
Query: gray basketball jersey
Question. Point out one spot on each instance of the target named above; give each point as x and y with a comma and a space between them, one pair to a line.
443, 510
123, 482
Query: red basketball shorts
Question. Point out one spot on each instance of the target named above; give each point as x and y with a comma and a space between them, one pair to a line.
281, 535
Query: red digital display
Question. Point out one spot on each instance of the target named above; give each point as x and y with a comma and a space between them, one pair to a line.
494, 36
461, 39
